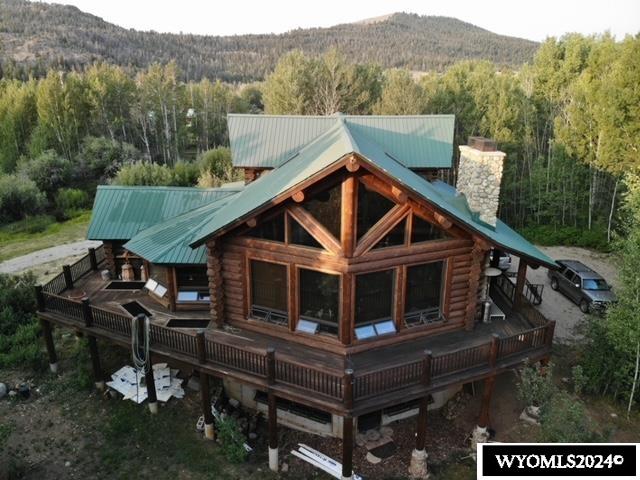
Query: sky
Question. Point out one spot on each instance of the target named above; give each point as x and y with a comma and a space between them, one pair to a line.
534, 19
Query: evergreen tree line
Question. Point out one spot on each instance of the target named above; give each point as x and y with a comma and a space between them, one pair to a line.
569, 122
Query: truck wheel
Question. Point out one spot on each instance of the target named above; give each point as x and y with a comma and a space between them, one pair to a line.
554, 284
584, 306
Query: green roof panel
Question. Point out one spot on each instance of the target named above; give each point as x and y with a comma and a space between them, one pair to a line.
168, 242
267, 141
120, 212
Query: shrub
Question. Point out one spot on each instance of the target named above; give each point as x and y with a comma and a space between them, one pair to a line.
49, 171
564, 419
535, 387
185, 174
549, 235
19, 197
100, 158
71, 200
231, 440
217, 162
144, 173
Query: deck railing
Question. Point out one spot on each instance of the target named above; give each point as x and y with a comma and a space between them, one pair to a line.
532, 291
199, 349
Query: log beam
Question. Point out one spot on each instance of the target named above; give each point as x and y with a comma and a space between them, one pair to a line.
214, 272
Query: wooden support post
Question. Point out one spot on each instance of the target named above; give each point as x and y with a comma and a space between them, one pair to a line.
520, 281
205, 397
51, 348
551, 327
92, 259
348, 215
68, 280
95, 363
481, 432
40, 298
152, 398
272, 407
418, 464
485, 406
347, 447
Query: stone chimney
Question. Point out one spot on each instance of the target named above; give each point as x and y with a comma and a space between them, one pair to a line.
479, 177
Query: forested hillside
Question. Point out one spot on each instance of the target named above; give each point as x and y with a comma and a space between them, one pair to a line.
35, 36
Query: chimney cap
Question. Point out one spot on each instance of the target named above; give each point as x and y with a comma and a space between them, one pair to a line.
483, 144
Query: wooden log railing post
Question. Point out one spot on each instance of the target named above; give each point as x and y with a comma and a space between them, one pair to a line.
40, 298
68, 279
347, 447
493, 350
272, 407
426, 368
200, 347
92, 259
51, 348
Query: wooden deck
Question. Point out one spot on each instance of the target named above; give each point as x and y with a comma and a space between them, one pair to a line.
355, 384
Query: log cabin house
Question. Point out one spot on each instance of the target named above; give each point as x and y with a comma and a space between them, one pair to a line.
340, 286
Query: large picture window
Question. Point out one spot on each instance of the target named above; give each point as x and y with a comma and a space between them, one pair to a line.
424, 291
272, 229
319, 302
269, 289
374, 304
325, 207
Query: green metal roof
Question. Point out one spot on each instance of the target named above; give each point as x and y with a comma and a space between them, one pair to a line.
341, 139
120, 212
267, 141
168, 242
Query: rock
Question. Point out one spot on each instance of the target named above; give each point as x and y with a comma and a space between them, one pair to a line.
386, 431
284, 468
3, 390
614, 415
524, 416
361, 439
24, 391
234, 403
12, 393
67, 463
372, 435
253, 435
372, 458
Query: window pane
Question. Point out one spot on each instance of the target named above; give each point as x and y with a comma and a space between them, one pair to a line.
272, 229
320, 299
371, 208
423, 231
424, 286
394, 238
192, 276
299, 236
325, 207
269, 291
374, 296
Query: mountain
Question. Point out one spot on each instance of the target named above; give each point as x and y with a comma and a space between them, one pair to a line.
40, 34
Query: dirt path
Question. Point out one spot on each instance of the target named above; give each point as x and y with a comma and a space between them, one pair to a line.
555, 306
46, 256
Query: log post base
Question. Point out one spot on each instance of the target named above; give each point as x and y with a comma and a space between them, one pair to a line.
153, 407
418, 465
209, 432
273, 459
53, 367
100, 386
479, 435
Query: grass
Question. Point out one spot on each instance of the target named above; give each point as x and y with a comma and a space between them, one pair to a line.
36, 233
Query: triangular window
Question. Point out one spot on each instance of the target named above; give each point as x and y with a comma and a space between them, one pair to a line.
423, 231
371, 208
300, 236
272, 229
325, 206
394, 238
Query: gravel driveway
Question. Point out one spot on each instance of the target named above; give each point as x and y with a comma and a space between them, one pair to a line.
555, 306
46, 256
